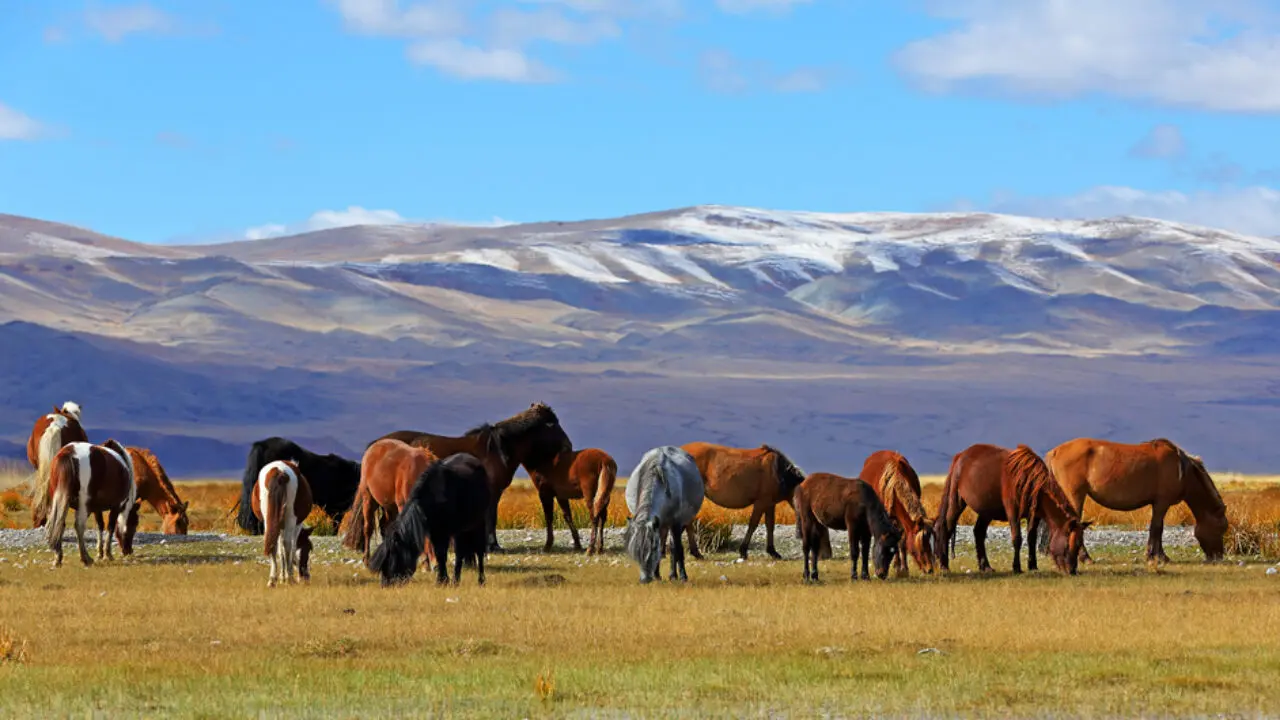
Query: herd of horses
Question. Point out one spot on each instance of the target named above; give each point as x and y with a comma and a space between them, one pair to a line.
422, 494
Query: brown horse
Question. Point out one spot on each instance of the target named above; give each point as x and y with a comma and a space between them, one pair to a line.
830, 502
282, 502
532, 438
155, 488
92, 479
1008, 486
387, 474
578, 474
736, 478
1157, 473
898, 486
51, 433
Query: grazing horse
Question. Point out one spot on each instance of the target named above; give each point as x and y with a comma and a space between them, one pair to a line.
578, 474
898, 486
1157, 473
333, 478
388, 471
1008, 486
532, 438
282, 500
736, 478
664, 494
830, 502
51, 433
448, 502
155, 487
92, 479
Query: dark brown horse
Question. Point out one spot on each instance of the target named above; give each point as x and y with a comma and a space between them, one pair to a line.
578, 474
50, 434
898, 486
736, 478
91, 479
155, 488
532, 438
829, 502
1008, 486
1157, 473
387, 474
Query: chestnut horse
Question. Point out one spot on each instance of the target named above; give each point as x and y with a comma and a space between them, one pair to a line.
282, 502
155, 488
1008, 486
898, 486
1156, 473
829, 502
532, 438
92, 479
578, 474
51, 433
736, 478
388, 471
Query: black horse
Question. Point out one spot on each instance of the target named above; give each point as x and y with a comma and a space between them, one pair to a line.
449, 502
333, 479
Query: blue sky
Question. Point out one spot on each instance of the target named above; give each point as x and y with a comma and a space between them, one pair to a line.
199, 120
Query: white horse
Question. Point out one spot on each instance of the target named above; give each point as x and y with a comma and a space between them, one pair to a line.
664, 494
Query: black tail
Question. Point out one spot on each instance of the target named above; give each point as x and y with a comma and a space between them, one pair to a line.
396, 559
245, 518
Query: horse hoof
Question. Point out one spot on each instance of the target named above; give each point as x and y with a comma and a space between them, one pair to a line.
774, 554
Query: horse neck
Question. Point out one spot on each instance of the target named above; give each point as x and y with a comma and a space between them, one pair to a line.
1053, 509
1201, 495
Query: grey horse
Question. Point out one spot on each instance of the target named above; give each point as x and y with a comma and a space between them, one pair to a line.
663, 495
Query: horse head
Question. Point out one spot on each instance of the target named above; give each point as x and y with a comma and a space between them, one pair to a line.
1065, 544
920, 545
129, 527
69, 409
176, 522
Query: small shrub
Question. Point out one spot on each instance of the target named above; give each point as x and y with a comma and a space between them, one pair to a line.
544, 686
320, 522
13, 649
714, 535
13, 501
1251, 534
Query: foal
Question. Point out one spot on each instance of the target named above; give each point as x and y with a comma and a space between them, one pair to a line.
830, 501
587, 474
282, 502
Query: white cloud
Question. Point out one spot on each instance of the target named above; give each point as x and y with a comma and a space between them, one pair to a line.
746, 6
1253, 210
1163, 142
469, 62
353, 215
116, 22
515, 28
440, 18
17, 126
722, 72
1217, 55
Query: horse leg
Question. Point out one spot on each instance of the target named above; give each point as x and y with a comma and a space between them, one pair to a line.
1077, 497
866, 555
568, 520
1155, 540
769, 516
457, 567
904, 569
677, 556
1033, 526
980, 543
113, 520
493, 526
756, 512
946, 537
82, 524
693, 541
102, 534
441, 546
549, 515
1014, 513
804, 551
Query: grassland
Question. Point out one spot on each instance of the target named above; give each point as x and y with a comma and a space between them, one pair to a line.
190, 630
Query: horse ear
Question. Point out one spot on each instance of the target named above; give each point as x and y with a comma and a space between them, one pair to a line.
185, 504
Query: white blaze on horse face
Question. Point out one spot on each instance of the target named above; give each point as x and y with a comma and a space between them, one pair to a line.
72, 409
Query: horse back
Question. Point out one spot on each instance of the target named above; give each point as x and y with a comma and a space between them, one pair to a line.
109, 480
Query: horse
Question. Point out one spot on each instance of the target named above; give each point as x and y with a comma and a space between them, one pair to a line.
333, 479
1008, 486
50, 434
1156, 473
664, 494
281, 501
736, 478
587, 474
449, 502
92, 479
155, 488
388, 472
898, 486
532, 438
824, 502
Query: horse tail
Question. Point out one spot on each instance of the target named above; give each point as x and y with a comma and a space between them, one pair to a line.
48, 446
950, 495
253, 465
273, 513
396, 559
604, 486
65, 465
352, 528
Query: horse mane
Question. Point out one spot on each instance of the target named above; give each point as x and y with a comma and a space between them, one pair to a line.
503, 433
1034, 479
1195, 464
894, 486
878, 516
157, 469
785, 469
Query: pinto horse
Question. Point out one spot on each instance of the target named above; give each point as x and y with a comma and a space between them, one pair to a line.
898, 486
92, 479
1008, 486
449, 502
1156, 473
532, 438
587, 474
830, 502
333, 479
282, 500
51, 433
664, 494
156, 489
736, 478
388, 471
